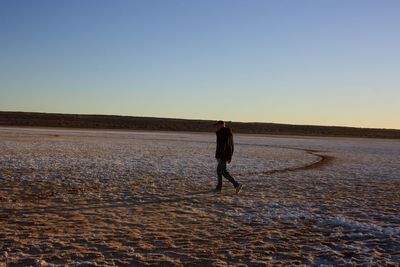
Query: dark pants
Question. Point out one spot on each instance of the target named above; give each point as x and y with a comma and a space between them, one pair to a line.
221, 171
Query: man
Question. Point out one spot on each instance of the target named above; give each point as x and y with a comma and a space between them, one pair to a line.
223, 155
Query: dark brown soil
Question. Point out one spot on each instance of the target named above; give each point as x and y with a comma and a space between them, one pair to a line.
165, 124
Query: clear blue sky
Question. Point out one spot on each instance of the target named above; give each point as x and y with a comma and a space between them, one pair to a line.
298, 61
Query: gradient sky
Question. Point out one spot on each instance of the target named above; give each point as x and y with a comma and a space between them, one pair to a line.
286, 61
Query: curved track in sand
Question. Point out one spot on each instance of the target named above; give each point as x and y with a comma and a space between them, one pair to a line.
321, 161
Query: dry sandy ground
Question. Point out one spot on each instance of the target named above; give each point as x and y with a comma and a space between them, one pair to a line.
87, 198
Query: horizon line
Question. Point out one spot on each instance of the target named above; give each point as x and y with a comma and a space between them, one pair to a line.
197, 119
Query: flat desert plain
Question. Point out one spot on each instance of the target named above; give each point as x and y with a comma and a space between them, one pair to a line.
120, 198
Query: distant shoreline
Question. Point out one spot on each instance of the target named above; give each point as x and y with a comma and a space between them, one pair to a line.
113, 122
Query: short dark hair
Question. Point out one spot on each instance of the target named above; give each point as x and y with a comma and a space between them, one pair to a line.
219, 123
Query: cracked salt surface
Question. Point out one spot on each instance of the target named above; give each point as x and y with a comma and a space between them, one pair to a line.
120, 197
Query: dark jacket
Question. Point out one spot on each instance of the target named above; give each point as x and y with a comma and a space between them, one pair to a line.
224, 144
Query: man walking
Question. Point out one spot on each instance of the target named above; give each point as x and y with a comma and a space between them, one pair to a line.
223, 155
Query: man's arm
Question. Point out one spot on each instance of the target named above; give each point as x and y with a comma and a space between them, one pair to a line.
220, 146
231, 141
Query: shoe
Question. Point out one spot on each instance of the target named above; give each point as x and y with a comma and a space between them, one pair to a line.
239, 188
217, 190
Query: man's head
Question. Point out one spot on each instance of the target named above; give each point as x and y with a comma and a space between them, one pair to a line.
219, 124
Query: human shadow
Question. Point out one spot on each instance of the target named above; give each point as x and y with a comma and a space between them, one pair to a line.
127, 203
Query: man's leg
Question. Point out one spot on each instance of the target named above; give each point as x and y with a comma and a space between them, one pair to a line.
219, 175
226, 174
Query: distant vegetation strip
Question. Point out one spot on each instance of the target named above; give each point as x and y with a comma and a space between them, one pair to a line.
165, 124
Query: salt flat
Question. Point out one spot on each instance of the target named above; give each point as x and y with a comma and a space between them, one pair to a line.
82, 197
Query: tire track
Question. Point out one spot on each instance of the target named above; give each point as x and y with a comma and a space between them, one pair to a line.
321, 161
